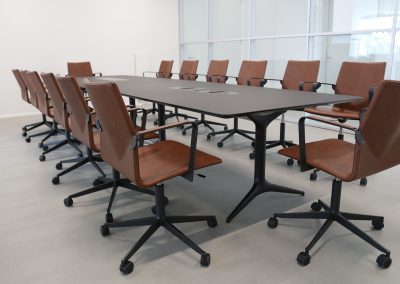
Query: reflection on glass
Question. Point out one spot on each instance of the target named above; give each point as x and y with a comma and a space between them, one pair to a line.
226, 19
350, 15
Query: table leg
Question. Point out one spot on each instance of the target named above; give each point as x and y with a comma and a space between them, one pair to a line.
260, 185
161, 120
133, 114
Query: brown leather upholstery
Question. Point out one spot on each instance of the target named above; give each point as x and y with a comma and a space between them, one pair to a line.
79, 69
81, 119
300, 71
37, 87
147, 165
188, 70
59, 103
253, 71
217, 71
31, 91
24, 89
380, 129
165, 70
355, 79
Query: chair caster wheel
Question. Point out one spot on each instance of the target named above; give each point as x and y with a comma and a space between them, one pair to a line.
42, 158
181, 127
184, 132
212, 222
208, 137
253, 144
109, 218
313, 176
225, 128
45, 147
252, 156
303, 258
59, 166
155, 122
126, 266
315, 206
40, 144
378, 224
97, 182
28, 140
290, 162
68, 202
104, 230
220, 144
55, 180
363, 181
185, 117
205, 259
384, 261
24, 134
272, 222
24, 129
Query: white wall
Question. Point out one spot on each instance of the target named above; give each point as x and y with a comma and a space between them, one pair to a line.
43, 35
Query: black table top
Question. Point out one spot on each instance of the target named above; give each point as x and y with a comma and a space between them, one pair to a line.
222, 100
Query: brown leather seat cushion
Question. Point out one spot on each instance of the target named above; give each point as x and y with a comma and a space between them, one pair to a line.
331, 155
334, 112
167, 159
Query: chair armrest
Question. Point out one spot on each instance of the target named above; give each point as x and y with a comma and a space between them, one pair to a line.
334, 123
258, 81
98, 73
219, 78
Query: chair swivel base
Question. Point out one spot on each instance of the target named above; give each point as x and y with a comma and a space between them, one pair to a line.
79, 162
177, 115
206, 124
330, 215
104, 183
155, 222
31, 126
68, 141
231, 132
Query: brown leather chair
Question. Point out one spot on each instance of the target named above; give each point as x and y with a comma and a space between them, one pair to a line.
217, 74
188, 72
296, 74
376, 149
60, 113
26, 97
80, 69
146, 166
251, 73
165, 71
44, 105
355, 79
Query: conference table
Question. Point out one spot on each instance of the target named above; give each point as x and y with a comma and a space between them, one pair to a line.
260, 105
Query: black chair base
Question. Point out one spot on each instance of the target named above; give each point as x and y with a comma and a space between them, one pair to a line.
31, 126
67, 141
231, 132
332, 214
104, 183
177, 115
206, 124
90, 158
155, 222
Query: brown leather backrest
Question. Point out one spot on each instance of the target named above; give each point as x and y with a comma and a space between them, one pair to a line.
165, 69
57, 98
300, 71
21, 84
380, 129
81, 124
79, 69
31, 91
117, 129
40, 92
251, 70
217, 71
188, 70
356, 78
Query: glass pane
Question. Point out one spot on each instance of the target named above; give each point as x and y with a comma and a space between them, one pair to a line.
280, 17
396, 58
226, 19
278, 52
232, 51
333, 50
195, 20
197, 52
350, 15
